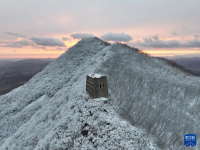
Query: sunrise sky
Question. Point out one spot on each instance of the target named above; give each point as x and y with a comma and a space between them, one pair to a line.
47, 28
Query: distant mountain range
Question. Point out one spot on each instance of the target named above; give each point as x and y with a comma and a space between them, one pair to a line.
192, 64
16, 73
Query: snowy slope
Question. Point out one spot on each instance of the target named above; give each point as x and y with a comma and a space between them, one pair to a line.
154, 94
53, 110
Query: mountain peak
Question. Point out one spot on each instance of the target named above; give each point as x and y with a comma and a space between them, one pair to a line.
54, 111
92, 40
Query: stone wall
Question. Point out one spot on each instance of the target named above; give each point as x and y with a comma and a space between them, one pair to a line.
96, 85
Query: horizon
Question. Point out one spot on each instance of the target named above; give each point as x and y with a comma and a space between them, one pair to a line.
159, 28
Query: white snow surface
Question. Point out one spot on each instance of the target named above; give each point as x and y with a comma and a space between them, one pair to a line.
96, 75
53, 110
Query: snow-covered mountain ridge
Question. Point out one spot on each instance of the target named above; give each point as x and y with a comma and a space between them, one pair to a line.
54, 111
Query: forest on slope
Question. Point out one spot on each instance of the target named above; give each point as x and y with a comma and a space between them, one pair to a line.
155, 93
51, 110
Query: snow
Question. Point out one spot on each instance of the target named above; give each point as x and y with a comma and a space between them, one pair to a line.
151, 104
103, 99
53, 110
154, 94
96, 75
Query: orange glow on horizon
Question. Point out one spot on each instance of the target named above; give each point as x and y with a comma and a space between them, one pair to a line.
142, 52
172, 52
30, 56
52, 52
162, 55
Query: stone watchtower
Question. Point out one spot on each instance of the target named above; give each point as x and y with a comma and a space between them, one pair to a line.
96, 85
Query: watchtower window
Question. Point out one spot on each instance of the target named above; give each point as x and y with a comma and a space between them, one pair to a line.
100, 85
103, 84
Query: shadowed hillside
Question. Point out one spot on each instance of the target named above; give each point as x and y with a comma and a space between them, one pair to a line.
154, 93
193, 64
15, 74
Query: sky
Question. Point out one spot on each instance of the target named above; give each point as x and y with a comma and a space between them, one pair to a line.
47, 28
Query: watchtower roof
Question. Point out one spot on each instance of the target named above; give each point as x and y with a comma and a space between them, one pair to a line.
96, 75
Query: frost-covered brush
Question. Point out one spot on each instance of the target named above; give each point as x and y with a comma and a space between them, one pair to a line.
152, 104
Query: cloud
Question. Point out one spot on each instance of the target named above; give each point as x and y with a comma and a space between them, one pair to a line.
196, 36
19, 43
56, 49
151, 39
44, 41
147, 40
192, 44
160, 44
41, 47
157, 43
117, 37
155, 37
59, 48
65, 38
81, 35
174, 33
15, 34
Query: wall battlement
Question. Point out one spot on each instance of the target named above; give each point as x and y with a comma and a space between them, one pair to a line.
96, 85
